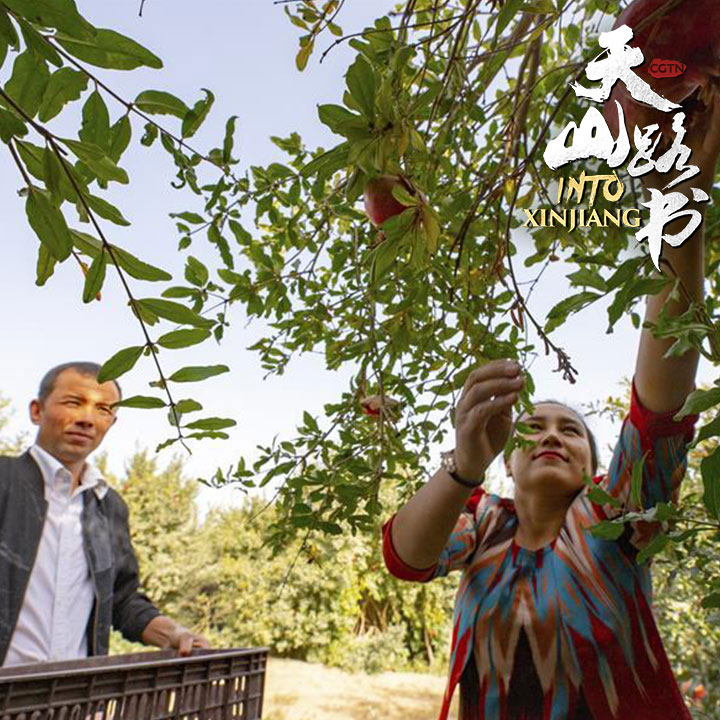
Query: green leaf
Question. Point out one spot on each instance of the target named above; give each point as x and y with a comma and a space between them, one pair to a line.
175, 312
133, 266
195, 117
301, 59
215, 434
310, 422
94, 279
158, 102
710, 470
120, 135
216, 238
213, 423
120, 363
712, 429
166, 443
34, 158
636, 483
195, 272
28, 81
588, 278
139, 269
656, 545
34, 41
242, 236
109, 49
197, 373
699, 401
432, 228
97, 161
382, 259
229, 139
361, 85
150, 135
711, 601
559, 312
105, 210
627, 270
636, 288
45, 265
142, 402
328, 162
95, 128
188, 406
180, 292
8, 35
402, 195
599, 496
509, 10
62, 15
190, 217
64, 86
337, 117
49, 224
607, 530
183, 338
10, 126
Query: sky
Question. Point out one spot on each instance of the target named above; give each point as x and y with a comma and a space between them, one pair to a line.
245, 53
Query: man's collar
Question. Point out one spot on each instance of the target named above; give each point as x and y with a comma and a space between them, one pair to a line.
49, 466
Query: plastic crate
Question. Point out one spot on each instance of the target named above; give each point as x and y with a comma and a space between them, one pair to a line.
208, 685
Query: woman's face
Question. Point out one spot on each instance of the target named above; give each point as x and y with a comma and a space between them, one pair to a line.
560, 455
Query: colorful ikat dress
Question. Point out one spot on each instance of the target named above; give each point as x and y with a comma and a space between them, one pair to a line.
565, 632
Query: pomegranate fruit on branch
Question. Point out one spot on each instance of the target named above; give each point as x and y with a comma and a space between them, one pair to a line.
686, 32
380, 202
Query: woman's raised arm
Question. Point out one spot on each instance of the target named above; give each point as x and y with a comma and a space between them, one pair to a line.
663, 384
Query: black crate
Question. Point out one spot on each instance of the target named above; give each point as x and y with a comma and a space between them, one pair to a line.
209, 685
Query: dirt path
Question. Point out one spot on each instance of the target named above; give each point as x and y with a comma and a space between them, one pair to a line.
297, 690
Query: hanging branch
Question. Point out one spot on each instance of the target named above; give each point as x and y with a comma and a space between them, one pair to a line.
51, 139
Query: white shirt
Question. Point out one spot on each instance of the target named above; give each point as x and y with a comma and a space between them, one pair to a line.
59, 597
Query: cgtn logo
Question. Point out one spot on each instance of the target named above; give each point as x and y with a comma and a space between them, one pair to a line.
666, 68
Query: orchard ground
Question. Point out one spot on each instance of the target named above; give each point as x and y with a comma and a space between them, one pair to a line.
296, 690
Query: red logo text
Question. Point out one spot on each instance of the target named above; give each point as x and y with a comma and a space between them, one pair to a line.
667, 68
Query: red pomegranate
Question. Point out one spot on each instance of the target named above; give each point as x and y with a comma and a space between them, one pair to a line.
687, 32
380, 203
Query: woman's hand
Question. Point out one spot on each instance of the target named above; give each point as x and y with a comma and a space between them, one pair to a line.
483, 416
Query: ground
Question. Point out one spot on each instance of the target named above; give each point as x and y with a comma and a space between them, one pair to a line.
296, 690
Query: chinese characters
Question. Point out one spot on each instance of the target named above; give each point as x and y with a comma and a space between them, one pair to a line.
593, 138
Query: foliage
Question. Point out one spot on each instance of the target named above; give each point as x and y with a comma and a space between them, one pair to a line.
458, 98
330, 602
9, 445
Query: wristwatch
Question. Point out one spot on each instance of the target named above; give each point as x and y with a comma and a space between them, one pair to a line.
448, 464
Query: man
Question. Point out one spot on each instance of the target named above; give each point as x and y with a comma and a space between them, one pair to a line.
67, 568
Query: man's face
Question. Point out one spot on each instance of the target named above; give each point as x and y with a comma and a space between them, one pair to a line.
74, 418
560, 456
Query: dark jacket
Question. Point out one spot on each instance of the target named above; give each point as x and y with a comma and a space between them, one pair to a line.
106, 536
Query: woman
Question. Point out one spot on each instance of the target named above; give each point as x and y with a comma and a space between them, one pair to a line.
551, 622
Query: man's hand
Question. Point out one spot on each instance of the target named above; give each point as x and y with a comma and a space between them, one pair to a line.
184, 640
163, 632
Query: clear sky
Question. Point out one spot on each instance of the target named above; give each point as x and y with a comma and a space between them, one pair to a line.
244, 52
